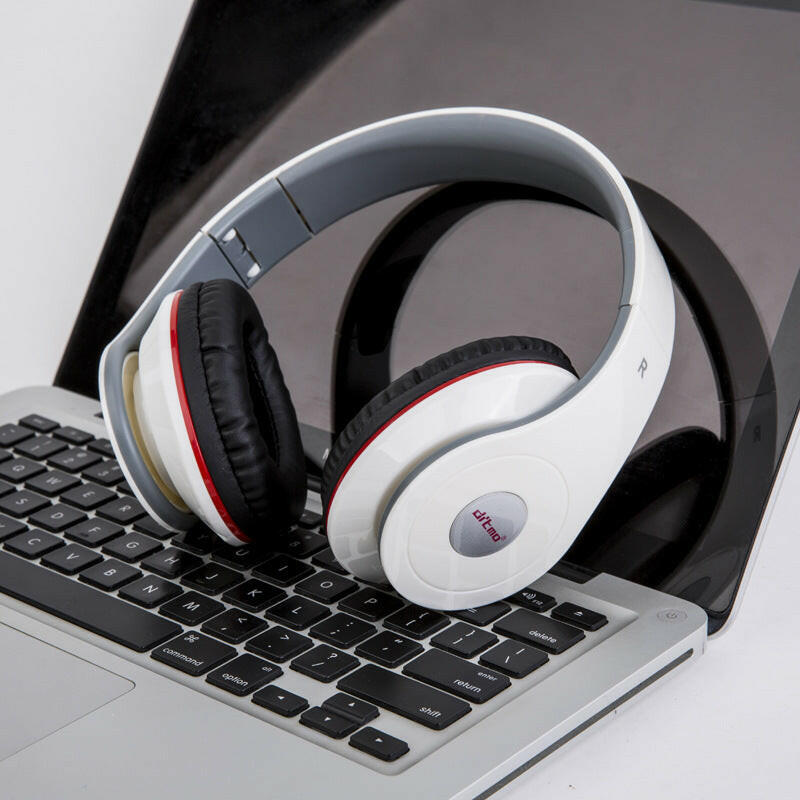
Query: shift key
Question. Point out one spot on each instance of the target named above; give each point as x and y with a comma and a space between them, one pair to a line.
404, 696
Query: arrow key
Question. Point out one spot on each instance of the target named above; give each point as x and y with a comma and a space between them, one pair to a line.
327, 722
379, 744
347, 706
287, 704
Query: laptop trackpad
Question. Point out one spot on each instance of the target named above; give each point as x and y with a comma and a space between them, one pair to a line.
43, 689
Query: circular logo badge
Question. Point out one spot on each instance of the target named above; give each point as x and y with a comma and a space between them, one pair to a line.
488, 524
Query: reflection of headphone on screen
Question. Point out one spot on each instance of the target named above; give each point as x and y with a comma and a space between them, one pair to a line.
677, 490
467, 477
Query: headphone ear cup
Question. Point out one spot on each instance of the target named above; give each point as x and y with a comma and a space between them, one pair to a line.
655, 509
481, 384
216, 414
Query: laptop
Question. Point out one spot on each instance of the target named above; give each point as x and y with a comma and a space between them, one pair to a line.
96, 702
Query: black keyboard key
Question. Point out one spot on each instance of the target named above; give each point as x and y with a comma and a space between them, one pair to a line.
149, 591
149, 526
287, 704
212, 579
19, 470
87, 496
279, 644
83, 606
131, 547
582, 617
234, 626
10, 527
379, 744
94, 532
514, 659
40, 447
71, 559
57, 517
297, 612
342, 630
326, 587
416, 621
102, 446
106, 473
11, 434
72, 435
125, 488
300, 543
283, 570
310, 519
123, 510
38, 423
539, 631
52, 482
482, 615
389, 649
404, 696
22, 503
370, 604
533, 600
4, 455
191, 608
464, 640
253, 595
193, 653
243, 675
171, 563
326, 560
109, 575
461, 678
33, 543
347, 706
73, 460
243, 556
199, 540
324, 663
5, 488
327, 722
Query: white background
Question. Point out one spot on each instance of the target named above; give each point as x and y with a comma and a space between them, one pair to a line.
78, 81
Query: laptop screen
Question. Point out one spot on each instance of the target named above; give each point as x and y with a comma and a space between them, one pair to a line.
712, 127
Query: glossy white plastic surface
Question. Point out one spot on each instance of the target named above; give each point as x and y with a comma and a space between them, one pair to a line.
477, 402
560, 464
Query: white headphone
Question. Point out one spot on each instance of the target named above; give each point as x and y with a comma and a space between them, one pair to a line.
470, 476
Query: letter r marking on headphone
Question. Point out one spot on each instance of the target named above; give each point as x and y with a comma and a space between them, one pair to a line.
642, 368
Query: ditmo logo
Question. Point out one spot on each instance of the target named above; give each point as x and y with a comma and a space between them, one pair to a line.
486, 524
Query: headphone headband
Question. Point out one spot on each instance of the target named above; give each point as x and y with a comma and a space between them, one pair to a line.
298, 199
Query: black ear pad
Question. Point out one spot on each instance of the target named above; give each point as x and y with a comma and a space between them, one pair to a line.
656, 508
242, 413
417, 382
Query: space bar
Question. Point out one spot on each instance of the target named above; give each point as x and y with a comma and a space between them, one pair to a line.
82, 605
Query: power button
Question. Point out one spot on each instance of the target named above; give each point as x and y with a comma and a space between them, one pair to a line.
672, 615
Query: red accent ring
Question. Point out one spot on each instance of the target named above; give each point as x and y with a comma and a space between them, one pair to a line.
190, 431
410, 406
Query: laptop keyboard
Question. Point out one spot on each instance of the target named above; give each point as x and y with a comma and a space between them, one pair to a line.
286, 629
